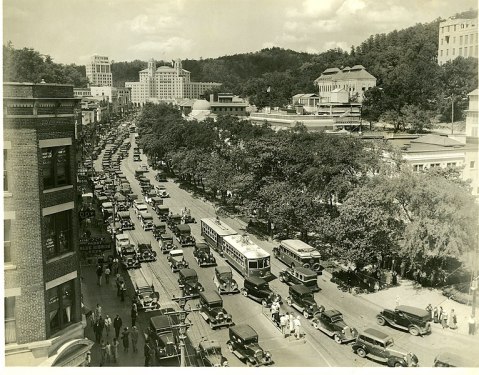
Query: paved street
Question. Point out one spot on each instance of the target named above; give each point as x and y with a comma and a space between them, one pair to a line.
315, 350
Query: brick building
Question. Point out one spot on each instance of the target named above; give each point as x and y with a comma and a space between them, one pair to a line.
43, 317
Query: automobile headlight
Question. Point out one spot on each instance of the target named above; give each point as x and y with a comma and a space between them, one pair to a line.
267, 354
224, 285
343, 331
225, 364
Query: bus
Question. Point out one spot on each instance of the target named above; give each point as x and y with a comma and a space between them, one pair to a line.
213, 231
296, 253
248, 258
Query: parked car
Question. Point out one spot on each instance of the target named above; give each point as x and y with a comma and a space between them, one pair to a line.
158, 230
300, 275
212, 311
412, 319
209, 354
188, 281
161, 190
163, 212
203, 255
379, 346
176, 260
243, 342
451, 359
172, 221
302, 299
331, 323
125, 220
146, 253
166, 243
183, 235
161, 177
258, 290
146, 298
224, 281
163, 338
129, 257
186, 216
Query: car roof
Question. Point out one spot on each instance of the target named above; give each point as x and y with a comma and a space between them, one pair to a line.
256, 280
202, 244
122, 236
160, 321
223, 269
123, 214
210, 344
300, 288
211, 296
165, 236
330, 313
413, 310
244, 331
186, 272
305, 271
183, 227
146, 215
455, 359
176, 252
376, 334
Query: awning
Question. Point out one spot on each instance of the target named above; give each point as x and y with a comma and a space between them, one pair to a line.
71, 354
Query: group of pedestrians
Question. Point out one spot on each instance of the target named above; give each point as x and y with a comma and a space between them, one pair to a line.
440, 316
112, 268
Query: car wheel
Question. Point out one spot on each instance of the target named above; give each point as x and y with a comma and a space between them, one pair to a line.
361, 352
281, 278
211, 325
305, 314
315, 325
289, 302
380, 320
264, 303
230, 347
413, 331
337, 339
398, 364
245, 293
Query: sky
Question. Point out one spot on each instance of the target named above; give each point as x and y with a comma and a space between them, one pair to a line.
71, 31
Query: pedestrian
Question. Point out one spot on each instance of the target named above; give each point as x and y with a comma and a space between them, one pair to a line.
297, 327
114, 349
472, 325
117, 323
108, 352
134, 338
444, 320
114, 266
97, 311
118, 284
122, 291
87, 359
103, 353
134, 314
441, 311
395, 278
101, 323
107, 323
435, 315
97, 329
452, 320
147, 352
429, 309
291, 324
283, 322
376, 286
99, 273
125, 339
107, 276
275, 311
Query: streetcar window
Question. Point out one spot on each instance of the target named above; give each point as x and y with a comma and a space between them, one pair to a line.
253, 264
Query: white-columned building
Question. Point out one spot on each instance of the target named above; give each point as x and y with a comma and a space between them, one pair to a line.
98, 71
457, 37
166, 84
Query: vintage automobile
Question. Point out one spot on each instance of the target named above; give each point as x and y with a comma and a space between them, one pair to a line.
161, 190
172, 221
186, 217
158, 230
203, 255
163, 212
212, 311
149, 195
183, 235
243, 343
176, 260
224, 280
163, 338
379, 346
129, 257
146, 220
166, 243
161, 177
146, 253
125, 220
155, 201
188, 281
209, 354
412, 319
258, 290
300, 275
331, 323
452, 359
302, 299
146, 298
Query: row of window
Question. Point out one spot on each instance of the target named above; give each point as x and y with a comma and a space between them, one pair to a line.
210, 233
294, 255
463, 39
236, 109
455, 27
420, 167
472, 52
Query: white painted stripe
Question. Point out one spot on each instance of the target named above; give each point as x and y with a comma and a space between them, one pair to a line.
9, 215
13, 292
43, 143
61, 280
58, 208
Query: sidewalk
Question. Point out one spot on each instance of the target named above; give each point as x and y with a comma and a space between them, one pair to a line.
106, 296
412, 295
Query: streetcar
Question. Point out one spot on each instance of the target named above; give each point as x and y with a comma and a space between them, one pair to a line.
213, 231
247, 257
296, 253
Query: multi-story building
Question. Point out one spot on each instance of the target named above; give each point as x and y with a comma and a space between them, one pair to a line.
228, 104
43, 317
355, 81
471, 168
166, 84
98, 71
457, 37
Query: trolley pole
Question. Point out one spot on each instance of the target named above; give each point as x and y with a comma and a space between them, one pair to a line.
182, 325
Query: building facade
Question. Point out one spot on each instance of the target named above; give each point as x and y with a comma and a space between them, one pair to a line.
42, 283
355, 81
166, 84
98, 71
471, 168
457, 37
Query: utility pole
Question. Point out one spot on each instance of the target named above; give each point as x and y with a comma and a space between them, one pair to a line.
452, 114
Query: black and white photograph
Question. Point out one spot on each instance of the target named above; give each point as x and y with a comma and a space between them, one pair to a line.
240, 183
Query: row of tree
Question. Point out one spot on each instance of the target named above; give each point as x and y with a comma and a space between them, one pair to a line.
340, 191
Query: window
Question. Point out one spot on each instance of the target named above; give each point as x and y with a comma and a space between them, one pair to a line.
460, 51
10, 326
466, 39
454, 27
465, 51
58, 233
460, 40
451, 164
472, 164
56, 167
61, 306
441, 52
435, 165
453, 51
5, 172
7, 254
418, 167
